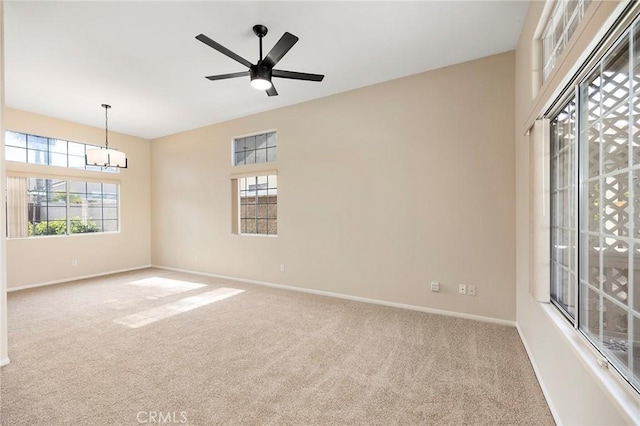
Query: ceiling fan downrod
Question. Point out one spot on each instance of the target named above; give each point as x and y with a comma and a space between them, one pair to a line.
260, 31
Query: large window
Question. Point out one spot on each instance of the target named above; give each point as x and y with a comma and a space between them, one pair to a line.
562, 23
25, 148
259, 205
596, 247
38, 207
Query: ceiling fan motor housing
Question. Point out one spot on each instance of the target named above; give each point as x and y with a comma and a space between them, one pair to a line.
260, 72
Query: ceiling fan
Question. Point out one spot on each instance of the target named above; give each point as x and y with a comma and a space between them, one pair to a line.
262, 72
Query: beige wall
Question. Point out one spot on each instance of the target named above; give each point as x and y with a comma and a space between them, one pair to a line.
381, 190
574, 393
33, 261
4, 347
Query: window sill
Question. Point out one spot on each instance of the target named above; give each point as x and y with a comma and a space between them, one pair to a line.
258, 235
620, 392
82, 234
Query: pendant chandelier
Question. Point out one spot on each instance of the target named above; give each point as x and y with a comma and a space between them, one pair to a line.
106, 157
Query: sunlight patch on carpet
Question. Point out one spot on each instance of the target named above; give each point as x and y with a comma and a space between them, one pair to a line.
166, 287
152, 315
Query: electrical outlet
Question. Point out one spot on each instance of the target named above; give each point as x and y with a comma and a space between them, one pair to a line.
435, 286
74, 262
472, 290
282, 267
462, 289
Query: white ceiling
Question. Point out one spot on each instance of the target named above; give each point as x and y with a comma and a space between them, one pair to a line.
63, 59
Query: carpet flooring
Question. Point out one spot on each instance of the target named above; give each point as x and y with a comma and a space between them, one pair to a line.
155, 346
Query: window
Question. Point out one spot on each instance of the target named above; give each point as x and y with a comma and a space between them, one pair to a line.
260, 148
564, 221
258, 205
560, 26
255, 198
38, 206
595, 209
25, 148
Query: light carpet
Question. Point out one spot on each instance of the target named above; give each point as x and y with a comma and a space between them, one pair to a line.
153, 345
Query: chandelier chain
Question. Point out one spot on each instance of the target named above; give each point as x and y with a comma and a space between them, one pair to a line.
106, 127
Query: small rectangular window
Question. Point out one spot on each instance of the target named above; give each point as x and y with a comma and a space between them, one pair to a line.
31, 149
559, 28
253, 149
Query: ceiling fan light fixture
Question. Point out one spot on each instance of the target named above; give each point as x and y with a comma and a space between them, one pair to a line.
260, 77
260, 84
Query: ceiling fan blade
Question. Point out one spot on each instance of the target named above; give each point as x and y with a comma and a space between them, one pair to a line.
225, 76
283, 45
297, 75
220, 48
271, 91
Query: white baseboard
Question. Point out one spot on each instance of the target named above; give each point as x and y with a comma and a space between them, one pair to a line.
536, 370
349, 297
4, 362
66, 280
